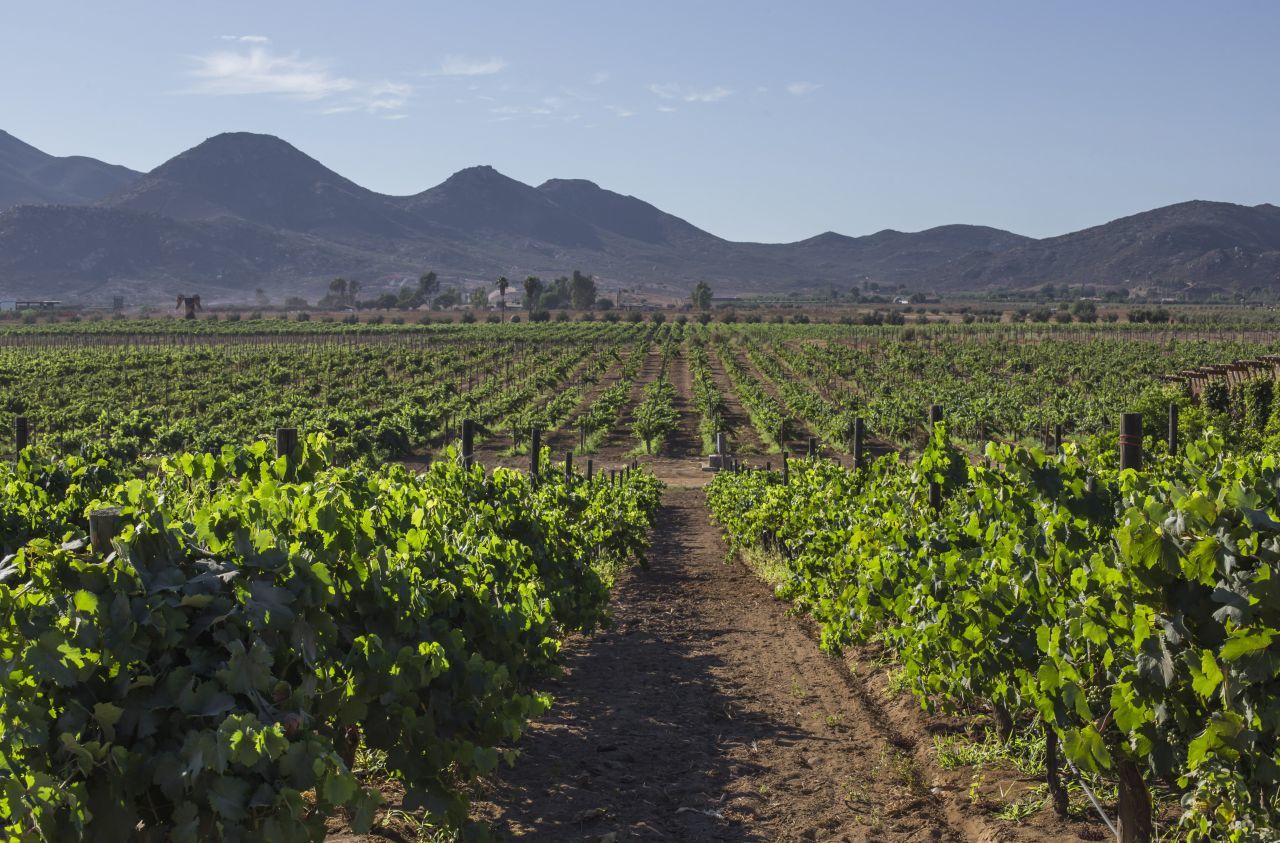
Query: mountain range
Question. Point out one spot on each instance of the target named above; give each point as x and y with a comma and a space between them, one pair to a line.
29, 176
241, 212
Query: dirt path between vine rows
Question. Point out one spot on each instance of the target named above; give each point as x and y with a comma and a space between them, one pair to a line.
619, 438
746, 438
802, 430
706, 713
686, 440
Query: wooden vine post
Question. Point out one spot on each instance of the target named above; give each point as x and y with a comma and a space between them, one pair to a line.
287, 444
1173, 429
935, 488
468, 443
1057, 439
1134, 805
1053, 773
568, 467
535, 452
859, 433
21, 432
813, 447
104, 525
1131, 441
786, 469
590, 471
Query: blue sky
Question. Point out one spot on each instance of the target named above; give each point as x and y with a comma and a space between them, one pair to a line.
755, 120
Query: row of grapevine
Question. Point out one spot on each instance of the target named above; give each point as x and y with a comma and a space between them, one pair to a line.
655, 417
383, 402
1133, 616
713, 412
992, 385
603, 415
260, 620
829, 414
770, 419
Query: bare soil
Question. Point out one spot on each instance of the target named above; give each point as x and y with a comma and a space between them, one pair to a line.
745, 438
619, 439
706, 713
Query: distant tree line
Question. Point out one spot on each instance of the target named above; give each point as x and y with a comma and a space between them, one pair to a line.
577, 291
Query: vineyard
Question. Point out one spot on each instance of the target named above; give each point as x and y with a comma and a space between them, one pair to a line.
282, 581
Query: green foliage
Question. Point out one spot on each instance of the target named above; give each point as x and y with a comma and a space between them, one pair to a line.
655, 416
211, 679
713, 413
1139, 621
375, 399
1217, 396
701, 296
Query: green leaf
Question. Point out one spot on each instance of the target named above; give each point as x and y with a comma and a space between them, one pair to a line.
107, 715
1154, 662
1206, 679
86, 601
1241, 645
339, 787
1086, 749
1129, 713
228, 796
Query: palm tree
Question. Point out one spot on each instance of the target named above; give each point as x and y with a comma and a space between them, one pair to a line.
532, 289
191, 303
503, 284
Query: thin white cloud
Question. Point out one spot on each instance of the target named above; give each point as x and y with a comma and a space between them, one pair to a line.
619, 111
252, 68
666, 109
512, 110
399, 89
802, 89
387, 96
462, 66
563, 107
258, 70
672, 91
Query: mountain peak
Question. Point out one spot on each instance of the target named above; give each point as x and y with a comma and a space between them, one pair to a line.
571, 184
31, 176
241, 149
483, 175
11, 145
623, 215
244, 143
262, 179
481, 198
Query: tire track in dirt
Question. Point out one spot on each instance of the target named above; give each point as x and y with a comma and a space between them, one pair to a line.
706, 713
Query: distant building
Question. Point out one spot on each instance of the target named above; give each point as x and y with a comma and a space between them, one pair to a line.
30, 305
515, 298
